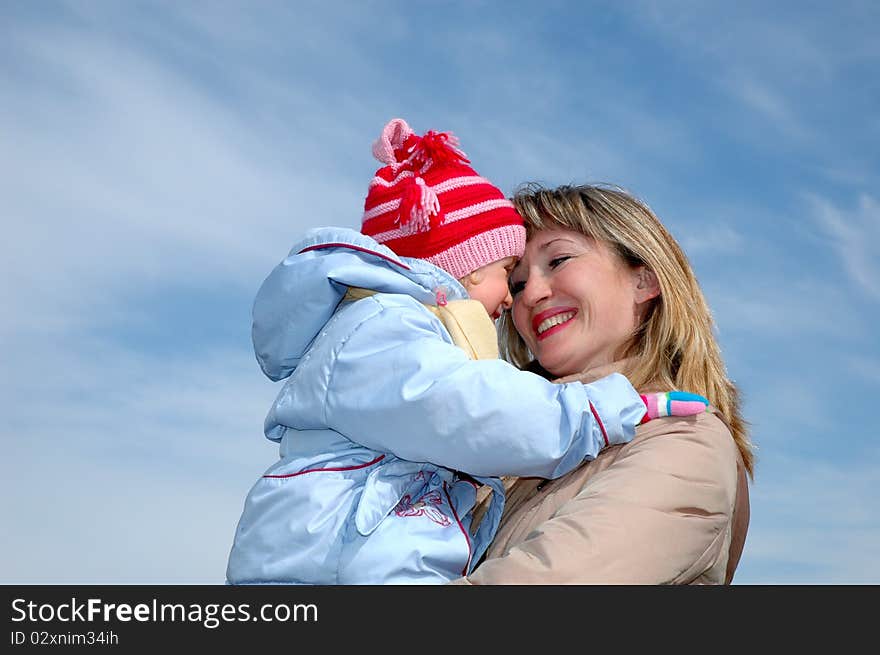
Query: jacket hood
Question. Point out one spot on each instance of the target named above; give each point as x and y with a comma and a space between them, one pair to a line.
301, 294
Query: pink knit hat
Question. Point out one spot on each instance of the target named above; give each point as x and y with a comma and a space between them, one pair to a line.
428, 203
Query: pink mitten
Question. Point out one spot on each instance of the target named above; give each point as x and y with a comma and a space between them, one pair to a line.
673, 403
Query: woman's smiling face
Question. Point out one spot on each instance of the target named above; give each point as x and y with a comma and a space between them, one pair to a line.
576, 303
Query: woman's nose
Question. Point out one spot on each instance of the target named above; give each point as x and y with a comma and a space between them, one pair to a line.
535, 290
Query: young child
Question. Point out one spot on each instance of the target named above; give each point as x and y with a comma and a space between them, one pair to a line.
396, 408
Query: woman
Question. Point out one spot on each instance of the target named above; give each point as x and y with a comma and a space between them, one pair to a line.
604, 287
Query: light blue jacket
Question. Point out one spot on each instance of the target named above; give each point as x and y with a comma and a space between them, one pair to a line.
374, 390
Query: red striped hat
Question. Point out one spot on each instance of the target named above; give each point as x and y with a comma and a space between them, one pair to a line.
427, 202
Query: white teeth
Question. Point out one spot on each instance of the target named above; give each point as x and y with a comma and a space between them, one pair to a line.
548, 323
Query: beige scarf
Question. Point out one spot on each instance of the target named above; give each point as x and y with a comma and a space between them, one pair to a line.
473, 331
467, 322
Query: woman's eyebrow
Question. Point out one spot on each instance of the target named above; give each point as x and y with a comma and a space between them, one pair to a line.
544, 246
552, 241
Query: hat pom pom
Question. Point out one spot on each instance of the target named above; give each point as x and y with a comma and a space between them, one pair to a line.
392, 140
436, 148
419, 207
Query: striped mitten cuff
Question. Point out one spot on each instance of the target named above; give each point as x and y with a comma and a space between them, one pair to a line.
673, 403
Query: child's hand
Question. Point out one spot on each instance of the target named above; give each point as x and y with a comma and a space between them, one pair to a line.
673, 403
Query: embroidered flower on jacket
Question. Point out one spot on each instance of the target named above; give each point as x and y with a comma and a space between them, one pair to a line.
427, 505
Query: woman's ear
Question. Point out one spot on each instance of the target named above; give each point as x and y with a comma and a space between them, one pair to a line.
646, 284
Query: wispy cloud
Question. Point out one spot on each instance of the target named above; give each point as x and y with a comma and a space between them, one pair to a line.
142, 180
159, 160
129, 459
855, 237
785, 307
867, 367
773, 63
816, 522
768, 101
713, 240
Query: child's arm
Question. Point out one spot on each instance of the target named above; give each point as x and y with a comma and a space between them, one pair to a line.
658, 514
397, 386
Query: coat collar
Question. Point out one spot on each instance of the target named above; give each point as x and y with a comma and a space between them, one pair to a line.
593, 374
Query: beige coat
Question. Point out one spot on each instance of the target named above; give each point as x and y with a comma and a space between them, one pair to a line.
670, 507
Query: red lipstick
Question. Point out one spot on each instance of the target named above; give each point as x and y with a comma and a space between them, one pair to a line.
549, 313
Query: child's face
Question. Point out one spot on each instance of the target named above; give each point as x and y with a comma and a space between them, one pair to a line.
488, 284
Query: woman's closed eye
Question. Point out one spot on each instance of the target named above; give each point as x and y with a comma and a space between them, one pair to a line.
558, 261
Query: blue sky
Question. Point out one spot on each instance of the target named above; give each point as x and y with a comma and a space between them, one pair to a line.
158, 159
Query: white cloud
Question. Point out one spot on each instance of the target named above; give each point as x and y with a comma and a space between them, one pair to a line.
712, 240
176, 149
137, 465
866, 366
787, 67
791, 419
142, 179
769, 100
855, 237
814, 521
789, 306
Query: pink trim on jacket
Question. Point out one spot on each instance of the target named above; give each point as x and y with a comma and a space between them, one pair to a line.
341, 468
467, 539
599, 421
359, 248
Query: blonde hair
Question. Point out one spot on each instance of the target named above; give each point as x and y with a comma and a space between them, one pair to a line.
675, 347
